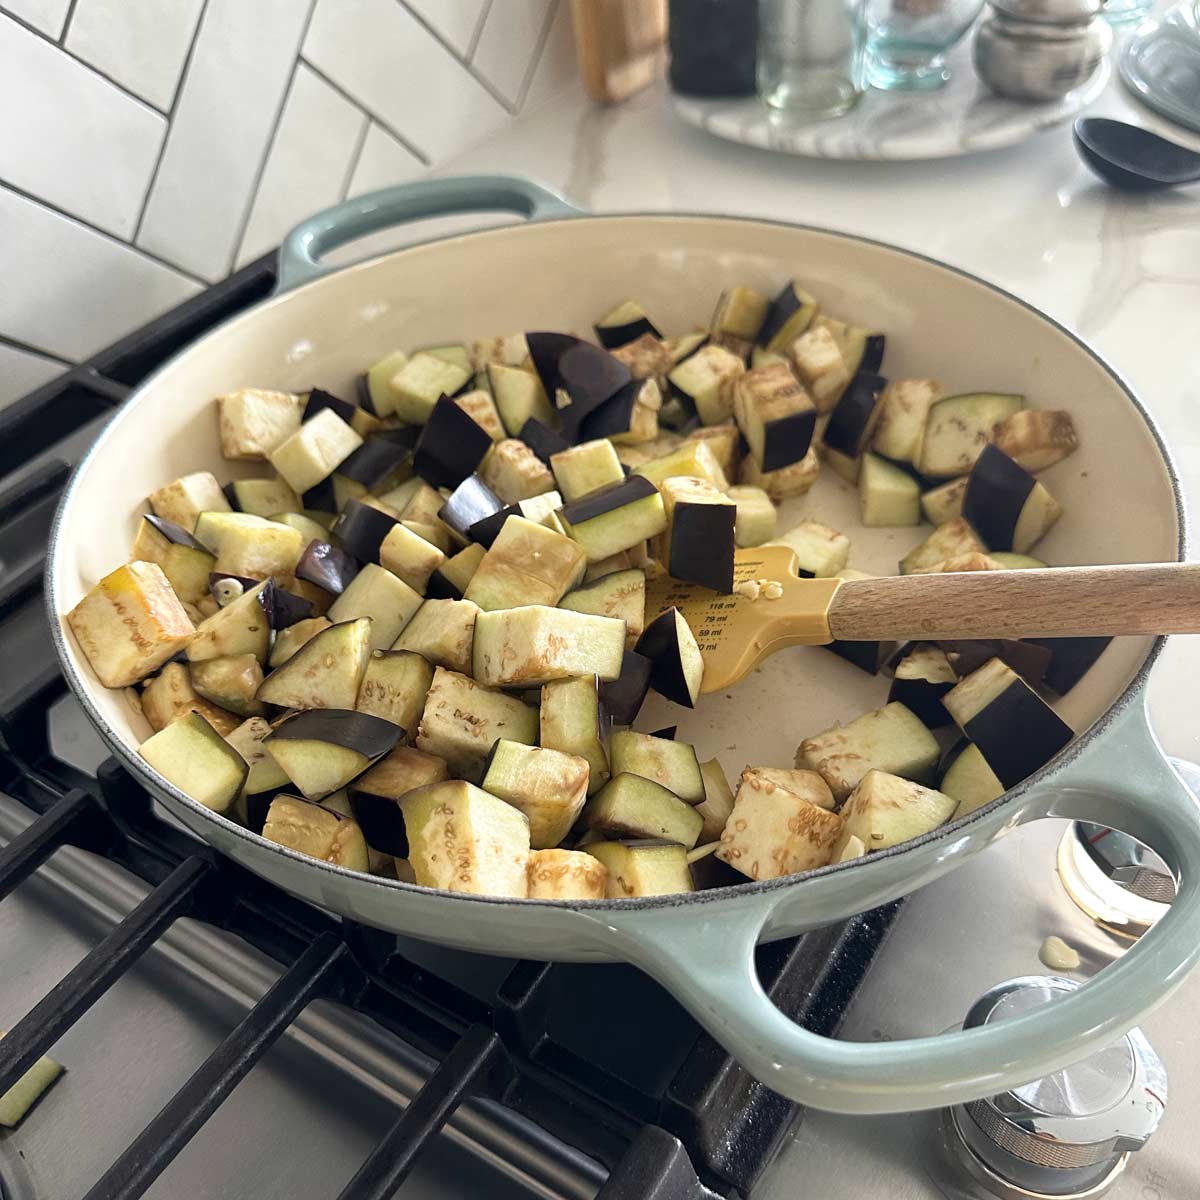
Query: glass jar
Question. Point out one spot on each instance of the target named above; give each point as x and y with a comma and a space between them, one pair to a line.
810, 56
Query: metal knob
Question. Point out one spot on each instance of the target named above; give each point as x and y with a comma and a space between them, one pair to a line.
1066, 1136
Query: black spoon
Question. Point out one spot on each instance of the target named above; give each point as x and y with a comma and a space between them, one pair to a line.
1133, 158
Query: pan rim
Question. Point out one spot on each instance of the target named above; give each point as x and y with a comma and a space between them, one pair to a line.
751, 888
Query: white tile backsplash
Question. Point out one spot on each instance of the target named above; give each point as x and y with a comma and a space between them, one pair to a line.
47, 15
387, 61
71, 291
71, 138
21, 372
309, 162
231, 95
111, 211
142, 44
510, 38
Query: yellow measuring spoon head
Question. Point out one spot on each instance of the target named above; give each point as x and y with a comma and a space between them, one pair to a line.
770, 607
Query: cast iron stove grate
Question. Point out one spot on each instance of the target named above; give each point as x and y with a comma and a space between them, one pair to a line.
596, 1055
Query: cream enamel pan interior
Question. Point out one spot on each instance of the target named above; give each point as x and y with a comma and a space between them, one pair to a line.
1118, 491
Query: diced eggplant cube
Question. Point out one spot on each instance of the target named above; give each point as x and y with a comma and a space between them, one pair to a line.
528, 646
587, 377
378, 594
776, 416
508, 349
315, 450
685, 345
861, 349
327, 566
799, 781
192, 756
885, 810
583, 469
520, 397
817, 359
462, 719
451, 445
706, 381
261, 497
442, 632
698, 544
630, 417
957, 429
549, 787
419, 384
623, 697
317, 832
253, 423
401, 771
1010, 509
634, 806
566, 875
470, 502
790, 314
231, 682
323, 749
1029, 659
325, 672
620, 595
362, 528
756, 516
944, 502
671, 764
452, 578
954, 538
821, 552
1015, 729
888, 496
794, 480
526, 564
359, 419
130, 623
890, 739
395, 684
376, 388
184, 562
923, 676
249, 546
515, 473
725, 441
1071, 659
615, 518
676, 664
903, 413
775, 831
740, 312
623, 324
170, 695
409, 557
481, 408
541, 439
461, 839
182, 501
645, 356
695, 458
647, 867
969, 781
1037, 438
264, 773
570, 722
852, 422
717, 803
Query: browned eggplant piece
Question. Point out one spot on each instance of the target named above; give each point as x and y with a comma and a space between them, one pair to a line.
470, 502
622, 698
323, 749
542, 440
317, 831
193, 756
1009, 509
327, 566
852, 421
450, 447
325, 672
677, 668
623, 324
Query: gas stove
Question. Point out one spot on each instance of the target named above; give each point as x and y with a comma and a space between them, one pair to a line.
222, 1039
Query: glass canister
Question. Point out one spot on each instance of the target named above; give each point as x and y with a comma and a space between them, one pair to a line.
811, 56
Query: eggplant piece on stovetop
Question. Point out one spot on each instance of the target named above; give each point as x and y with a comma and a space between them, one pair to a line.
450, 447
1008, 507
623, 324
677, 667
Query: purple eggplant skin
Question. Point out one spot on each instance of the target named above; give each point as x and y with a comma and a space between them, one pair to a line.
469, 503
381, 821
361, 529
1017, 733
787, 440
327, 566
546, 349
363, 388
590, 376
660, 644
450, 447
367, 734
667, 733
379, 456
608, 498
318, 399
622, 698
873, 348
542, 440
614, 416
320, 497
866, 656
852, 416
613, 336
1029, 659
440, 588
174, 533
780, 311
997, 489
287, 608
1070, 659
702, 545
923, 698
487, 530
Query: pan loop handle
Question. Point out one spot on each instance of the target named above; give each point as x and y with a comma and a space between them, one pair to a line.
704, 954
301, 252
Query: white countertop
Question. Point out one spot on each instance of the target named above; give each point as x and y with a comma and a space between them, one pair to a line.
1122, 270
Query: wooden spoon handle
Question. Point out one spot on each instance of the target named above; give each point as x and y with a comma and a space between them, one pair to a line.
1056, 602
